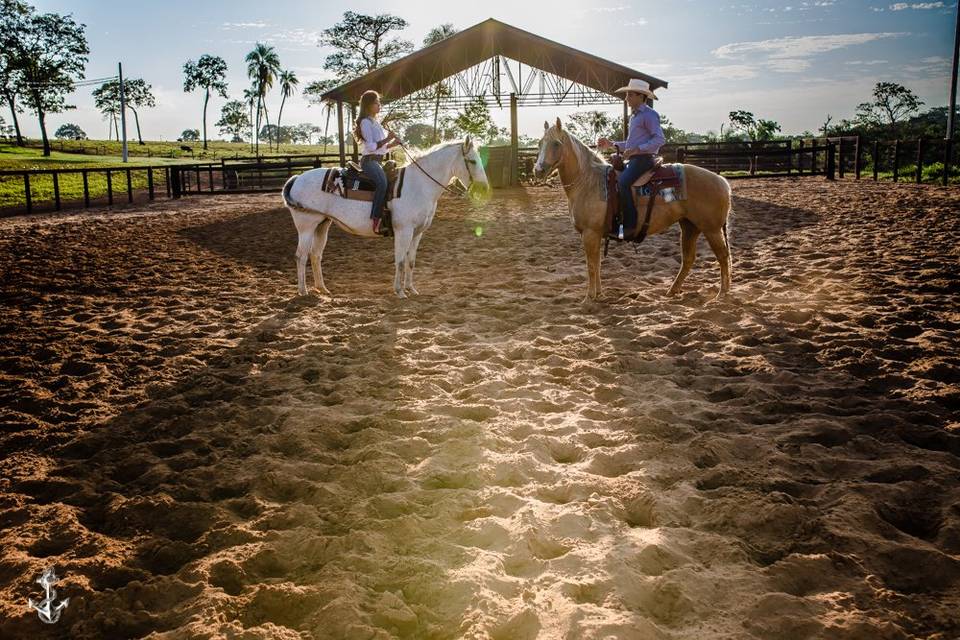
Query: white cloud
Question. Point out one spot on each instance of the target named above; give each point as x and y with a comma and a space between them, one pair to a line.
636, 23
229, 26
900, 6
865, 62
793, 47
608, 9
788, 65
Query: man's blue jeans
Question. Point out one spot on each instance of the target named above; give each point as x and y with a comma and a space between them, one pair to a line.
373, 169
637, 166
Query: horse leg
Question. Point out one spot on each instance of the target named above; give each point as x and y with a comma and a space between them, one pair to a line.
591, 246
305, 230
689, 234
316, 255
412, 262
402, 239
718, 242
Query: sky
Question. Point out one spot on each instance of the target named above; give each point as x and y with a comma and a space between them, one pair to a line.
789, 61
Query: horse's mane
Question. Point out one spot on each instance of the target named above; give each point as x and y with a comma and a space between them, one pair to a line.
417, 153
587, 158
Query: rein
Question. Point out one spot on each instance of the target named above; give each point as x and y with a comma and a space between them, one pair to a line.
446, 188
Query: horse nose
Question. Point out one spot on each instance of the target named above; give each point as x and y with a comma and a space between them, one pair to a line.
537, 170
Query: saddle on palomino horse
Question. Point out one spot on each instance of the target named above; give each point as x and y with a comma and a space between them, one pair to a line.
352, 183
659, 180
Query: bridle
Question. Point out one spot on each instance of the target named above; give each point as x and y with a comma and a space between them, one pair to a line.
466, 162
554, 165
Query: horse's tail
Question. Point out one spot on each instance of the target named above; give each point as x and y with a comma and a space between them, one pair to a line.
287, 200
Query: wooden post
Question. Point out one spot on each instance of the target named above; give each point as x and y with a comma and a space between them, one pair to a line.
790, 157
896, 160
514, 143
56, 190
167, 181
86, 189
876, 160
174, 182
919, 160
129, 188
109, 188
856, 158
353, 118
343, 151
831, 160
26, 192
840, 155
800, 157
210, 174
947, 157
626, 119
150, 183
813, 156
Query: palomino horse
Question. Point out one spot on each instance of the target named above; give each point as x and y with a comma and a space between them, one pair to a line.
314, 210
582, 171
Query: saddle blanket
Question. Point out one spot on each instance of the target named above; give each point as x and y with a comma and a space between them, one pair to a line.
347, 184
669, 194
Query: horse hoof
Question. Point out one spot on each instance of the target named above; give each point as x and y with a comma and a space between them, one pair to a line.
413, 291
324, 291
401, 294
673, 293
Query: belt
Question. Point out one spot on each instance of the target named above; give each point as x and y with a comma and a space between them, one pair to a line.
375, 156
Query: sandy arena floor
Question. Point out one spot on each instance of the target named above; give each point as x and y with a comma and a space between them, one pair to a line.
202, 454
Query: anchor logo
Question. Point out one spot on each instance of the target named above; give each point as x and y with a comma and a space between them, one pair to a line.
48, 609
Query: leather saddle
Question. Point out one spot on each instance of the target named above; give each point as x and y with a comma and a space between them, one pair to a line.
648, 185
359, 186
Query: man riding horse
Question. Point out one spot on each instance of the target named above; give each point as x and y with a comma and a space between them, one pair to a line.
644, 139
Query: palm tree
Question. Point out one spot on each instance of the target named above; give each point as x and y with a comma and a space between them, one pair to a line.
288, 86
263, 66
250, 99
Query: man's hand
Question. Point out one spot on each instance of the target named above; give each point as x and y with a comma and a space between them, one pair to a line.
604, 143
629, 152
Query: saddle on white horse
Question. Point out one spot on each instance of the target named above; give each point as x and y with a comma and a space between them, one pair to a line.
352, 183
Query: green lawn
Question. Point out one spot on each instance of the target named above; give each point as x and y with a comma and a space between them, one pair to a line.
71, 185
153, 149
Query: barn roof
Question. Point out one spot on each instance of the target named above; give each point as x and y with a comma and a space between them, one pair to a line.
480, 42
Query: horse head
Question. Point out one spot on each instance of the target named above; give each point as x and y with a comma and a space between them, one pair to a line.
472, 164
551, 149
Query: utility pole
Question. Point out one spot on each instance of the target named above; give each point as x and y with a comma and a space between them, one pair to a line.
123, 111
953, 102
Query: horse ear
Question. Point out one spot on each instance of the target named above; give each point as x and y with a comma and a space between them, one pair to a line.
468, 143
559, 126
546, 125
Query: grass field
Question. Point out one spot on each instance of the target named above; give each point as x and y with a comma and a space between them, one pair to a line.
71, 185
171, 149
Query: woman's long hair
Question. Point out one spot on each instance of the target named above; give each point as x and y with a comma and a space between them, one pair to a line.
366, 101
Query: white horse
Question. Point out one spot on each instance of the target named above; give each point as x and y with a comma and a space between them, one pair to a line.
314, 210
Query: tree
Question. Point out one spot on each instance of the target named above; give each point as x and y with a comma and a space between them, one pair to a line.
48, 51
189, 135
441, 89
263, 66
209, 72
589, 126
70, 131
312, 93
288, 86
13, 15
106, 98
825, 129
891, 103
136, 92
420, 135
475, 121
361, 43
233, 120
250, 99
755, 129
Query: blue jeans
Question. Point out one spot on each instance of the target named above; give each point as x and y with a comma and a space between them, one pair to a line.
373, 169
637, 166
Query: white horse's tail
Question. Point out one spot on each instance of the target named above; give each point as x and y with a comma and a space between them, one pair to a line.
288, 200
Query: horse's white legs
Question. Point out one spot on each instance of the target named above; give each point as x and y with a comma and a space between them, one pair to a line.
402, 239
718, 242
591, 246
316, 255
412, 262
689, 234
305, 229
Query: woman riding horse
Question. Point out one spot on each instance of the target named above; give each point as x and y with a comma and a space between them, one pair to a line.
376, 142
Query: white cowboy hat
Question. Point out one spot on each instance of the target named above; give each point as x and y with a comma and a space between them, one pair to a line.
638, 86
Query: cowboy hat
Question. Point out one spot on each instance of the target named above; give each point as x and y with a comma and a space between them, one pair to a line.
638, 86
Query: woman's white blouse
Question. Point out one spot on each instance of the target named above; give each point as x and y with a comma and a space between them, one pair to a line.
372, 133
